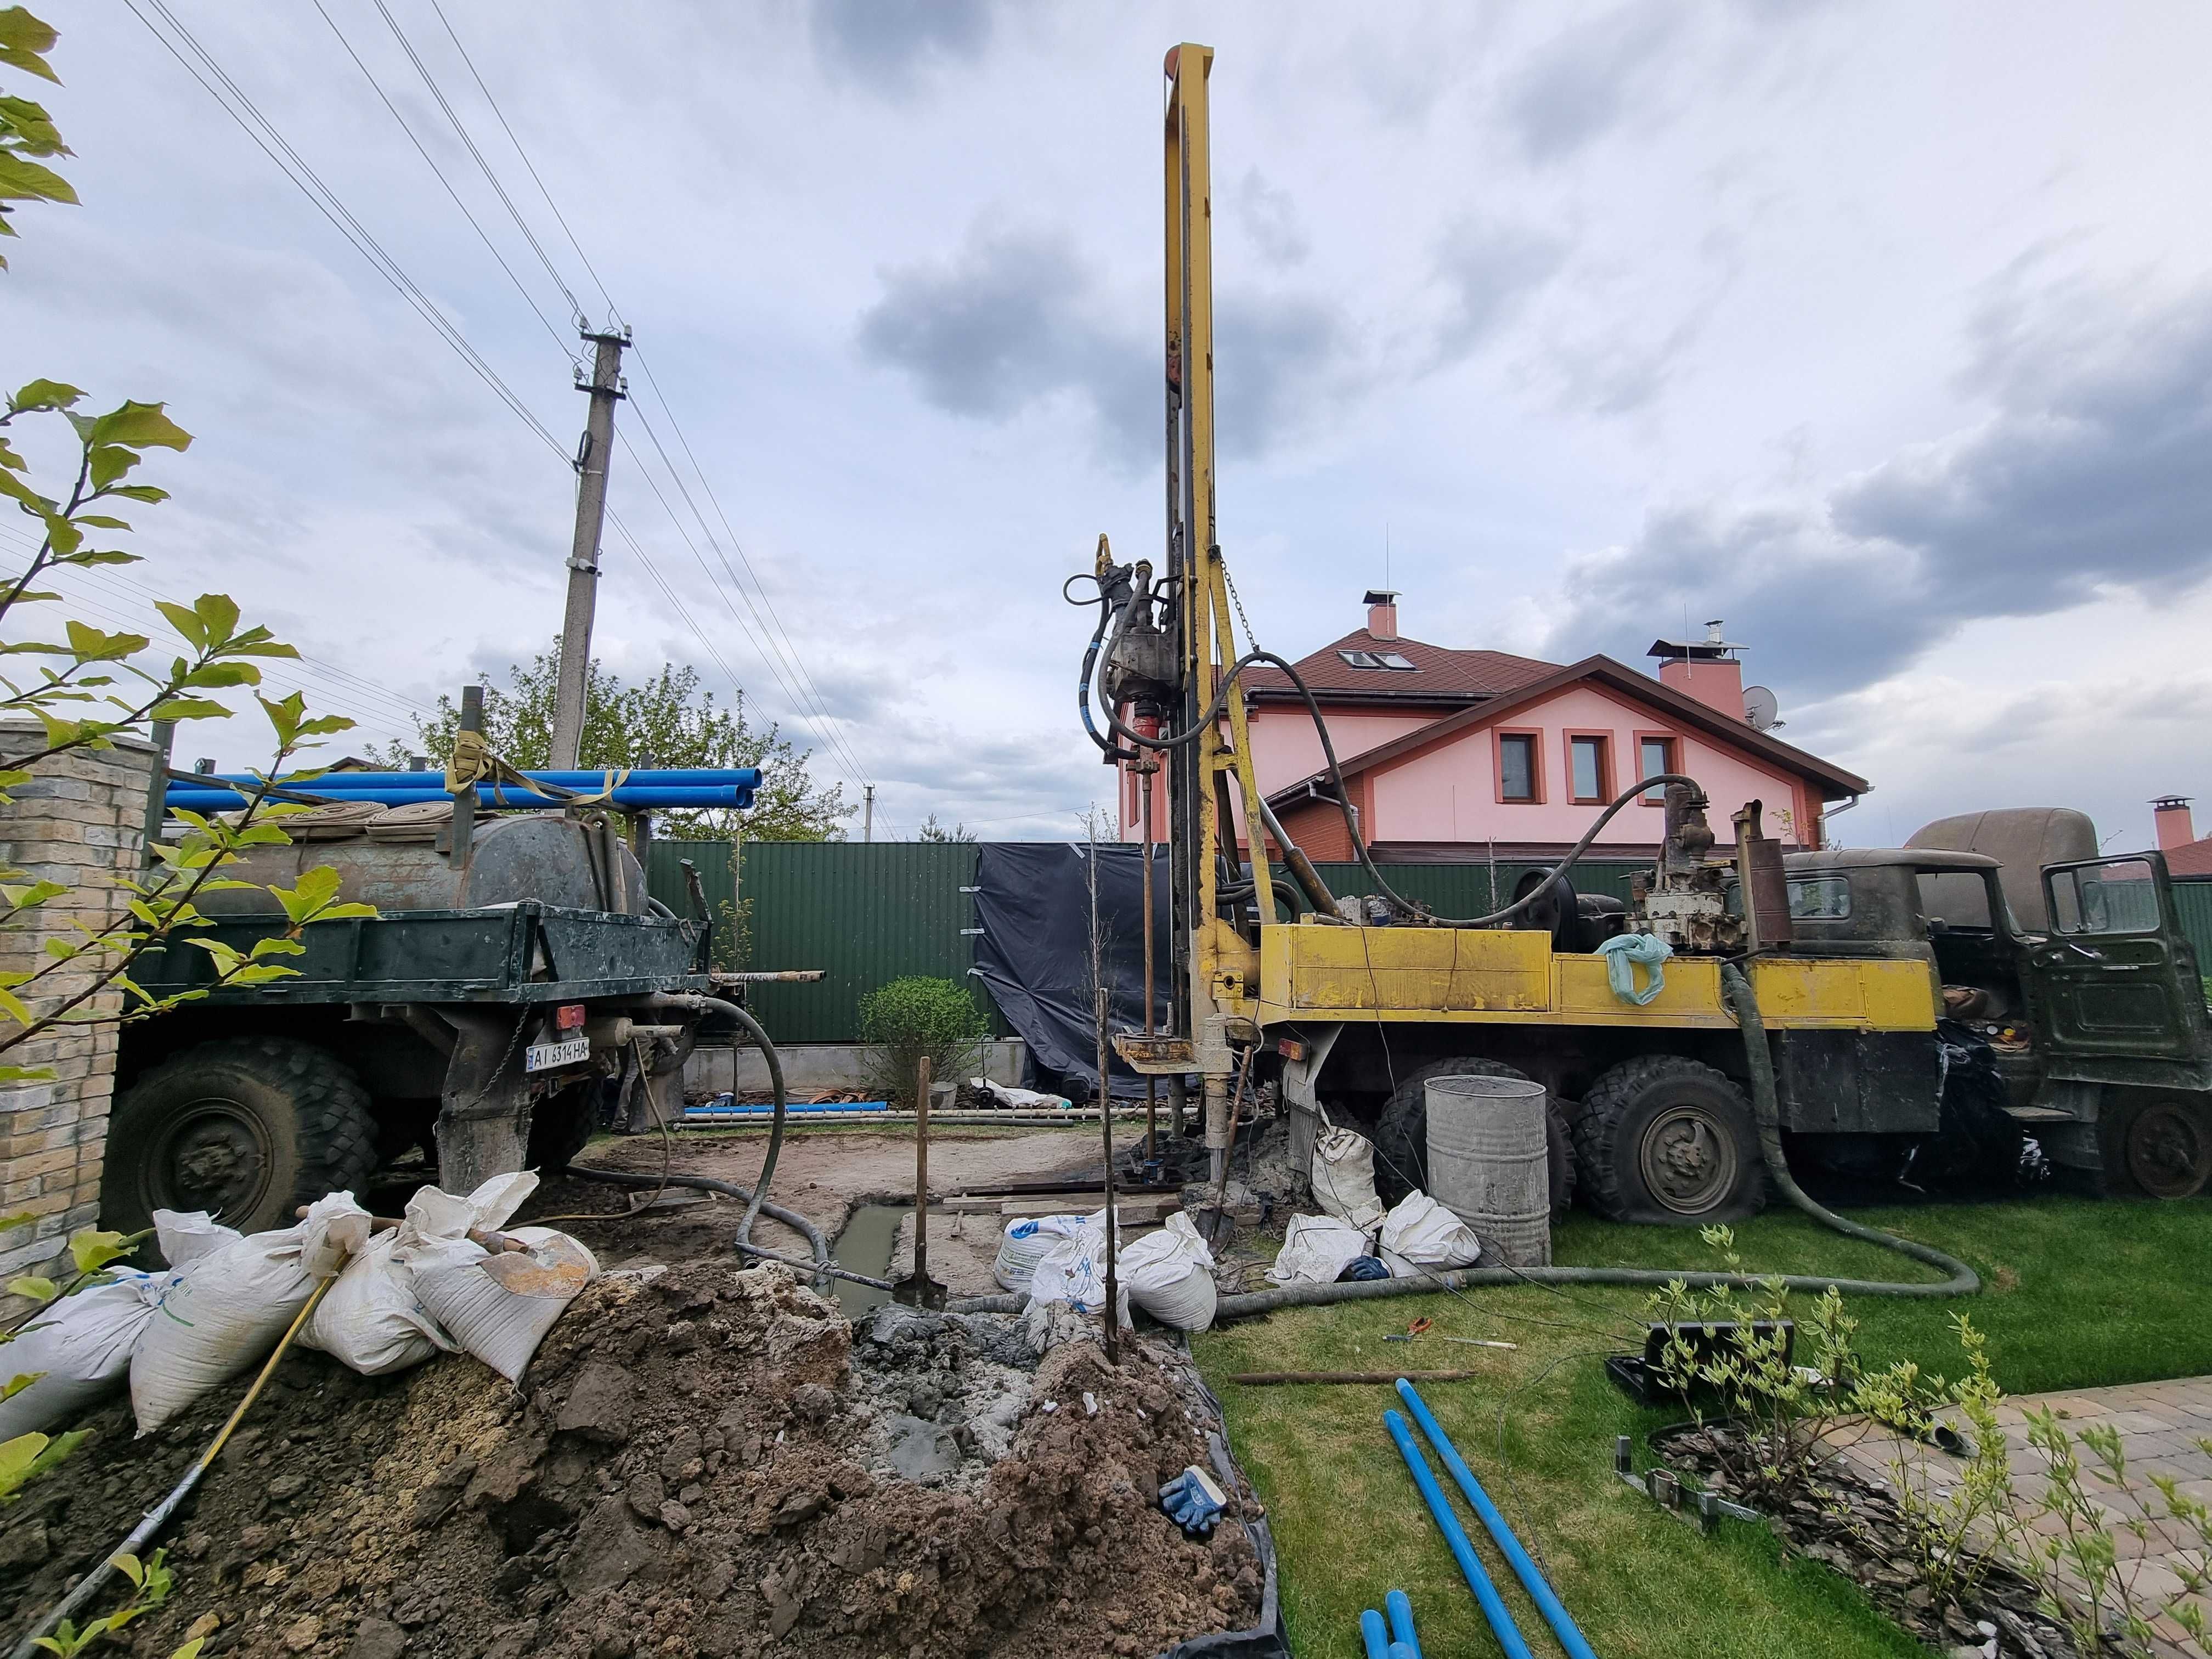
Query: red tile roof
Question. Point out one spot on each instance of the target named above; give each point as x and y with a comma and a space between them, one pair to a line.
2191, 858
1442, 674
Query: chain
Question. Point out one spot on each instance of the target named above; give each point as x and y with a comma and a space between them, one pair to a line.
522, 1023
1236, 599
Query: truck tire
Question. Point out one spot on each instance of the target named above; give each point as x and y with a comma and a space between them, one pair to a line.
1667, 1141
1401, 1134
560, 1125
247, 1128
2156, 1146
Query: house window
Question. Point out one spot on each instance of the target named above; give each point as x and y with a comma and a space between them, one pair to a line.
1375, 659
1587, 768
1517, 767
1656, 756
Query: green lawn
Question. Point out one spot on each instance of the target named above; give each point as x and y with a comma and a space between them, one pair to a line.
2076, 1293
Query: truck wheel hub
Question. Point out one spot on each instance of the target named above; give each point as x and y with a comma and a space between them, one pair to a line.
215, 1159
2168, 1153
1688, 1164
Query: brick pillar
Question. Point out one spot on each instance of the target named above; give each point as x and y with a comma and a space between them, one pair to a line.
79, 822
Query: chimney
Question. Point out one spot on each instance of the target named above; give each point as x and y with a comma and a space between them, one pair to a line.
1706, 669
2169, 814
1382, 613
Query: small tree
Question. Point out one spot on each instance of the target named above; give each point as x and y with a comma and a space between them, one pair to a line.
933, 831
910, 1018
666, 719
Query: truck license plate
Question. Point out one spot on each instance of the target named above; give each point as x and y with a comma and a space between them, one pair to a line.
544, 1057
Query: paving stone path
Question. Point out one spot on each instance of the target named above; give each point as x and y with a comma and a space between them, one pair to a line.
2160, 1424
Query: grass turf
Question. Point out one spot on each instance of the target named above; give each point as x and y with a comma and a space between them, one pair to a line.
2076, 1293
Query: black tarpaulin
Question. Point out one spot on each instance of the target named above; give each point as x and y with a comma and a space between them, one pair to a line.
1033, 905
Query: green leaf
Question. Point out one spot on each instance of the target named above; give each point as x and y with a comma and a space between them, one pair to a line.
149, 493
188, 709
129, 1566
92, 644
141, 426
24, 42
103, 521
41, 394
20, 1219
17, 1384
108, 463
35, 1286
93, 1249
25, 180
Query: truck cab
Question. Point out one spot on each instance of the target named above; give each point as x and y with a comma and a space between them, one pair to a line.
2091, 1001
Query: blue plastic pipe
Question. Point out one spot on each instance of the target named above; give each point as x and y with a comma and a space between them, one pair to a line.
637, 797
1400, 1650
1377, 1639
1555, 1614
335, 783
1401, 1623
1486, 1593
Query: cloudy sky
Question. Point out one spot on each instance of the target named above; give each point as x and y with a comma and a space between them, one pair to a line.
1883, 332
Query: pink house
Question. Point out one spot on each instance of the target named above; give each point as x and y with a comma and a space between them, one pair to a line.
1458, 756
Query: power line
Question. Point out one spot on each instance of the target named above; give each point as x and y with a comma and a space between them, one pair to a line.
559, 341
491, 178
558, 216
809, 712
327, 203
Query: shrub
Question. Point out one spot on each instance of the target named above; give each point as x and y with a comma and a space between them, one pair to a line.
908, 1018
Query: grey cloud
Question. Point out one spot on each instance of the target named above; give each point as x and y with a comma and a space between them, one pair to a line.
2090, 475
1486, 269
1013, 319
1586, 78
886, 43
1266, 214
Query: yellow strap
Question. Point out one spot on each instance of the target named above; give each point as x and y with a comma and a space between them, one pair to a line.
473, 761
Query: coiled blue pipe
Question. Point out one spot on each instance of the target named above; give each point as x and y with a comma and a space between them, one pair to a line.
1401, 1623
342, 783
1373, 1635
1486, 1593
1540, 1591
627, 797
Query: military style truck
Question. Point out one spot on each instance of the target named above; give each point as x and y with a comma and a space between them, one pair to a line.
478, 1015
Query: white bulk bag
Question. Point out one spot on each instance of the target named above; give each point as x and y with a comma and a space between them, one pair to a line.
1074, 1271
502, 1328
372, 1320
1026, 1242
186, 1236
1170, 1274
1421, 1236
226, 1310
1316, 1249
1344, 1178
79, 1347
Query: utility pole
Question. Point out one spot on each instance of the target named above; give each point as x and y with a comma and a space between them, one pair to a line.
867, 811
592, 454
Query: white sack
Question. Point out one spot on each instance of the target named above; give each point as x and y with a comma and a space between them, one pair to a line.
81, 1347
1026, 1243
228, 1308
186, 1236
1022, 1099
1170, 1274
1421, 1236
372, 1320
1344, 1178
1316, 1249
498, 1326
1074, 1271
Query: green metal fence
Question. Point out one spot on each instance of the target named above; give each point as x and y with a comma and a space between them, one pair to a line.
2193, 899
867, 914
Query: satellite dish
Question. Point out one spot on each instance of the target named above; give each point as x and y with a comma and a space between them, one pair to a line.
1760, 709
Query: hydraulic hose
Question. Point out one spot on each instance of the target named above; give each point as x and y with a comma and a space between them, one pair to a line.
1539, 1588
1963, 1281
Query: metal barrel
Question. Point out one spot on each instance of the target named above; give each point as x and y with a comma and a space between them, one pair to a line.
1489, 1164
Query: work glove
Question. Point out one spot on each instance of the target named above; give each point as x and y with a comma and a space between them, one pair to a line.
1364, 1267
1193, 1501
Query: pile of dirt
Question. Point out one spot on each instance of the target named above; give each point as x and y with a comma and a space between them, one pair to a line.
701, 1462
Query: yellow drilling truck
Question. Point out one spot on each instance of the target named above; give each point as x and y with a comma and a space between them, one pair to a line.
1342, 1009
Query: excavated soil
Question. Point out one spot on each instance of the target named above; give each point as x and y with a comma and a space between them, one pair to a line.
701, 1462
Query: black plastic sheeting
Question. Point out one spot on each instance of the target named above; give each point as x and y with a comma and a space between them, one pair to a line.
1265, 1639
1033, 905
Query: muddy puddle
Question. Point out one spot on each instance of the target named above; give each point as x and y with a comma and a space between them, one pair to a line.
863, 1245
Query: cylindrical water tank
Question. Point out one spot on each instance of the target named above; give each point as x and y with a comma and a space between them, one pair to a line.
1489, 1164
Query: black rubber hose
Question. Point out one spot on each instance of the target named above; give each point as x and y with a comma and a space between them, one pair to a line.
1963, 1281
822, 1261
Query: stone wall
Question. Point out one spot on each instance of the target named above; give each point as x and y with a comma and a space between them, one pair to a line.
80, 821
